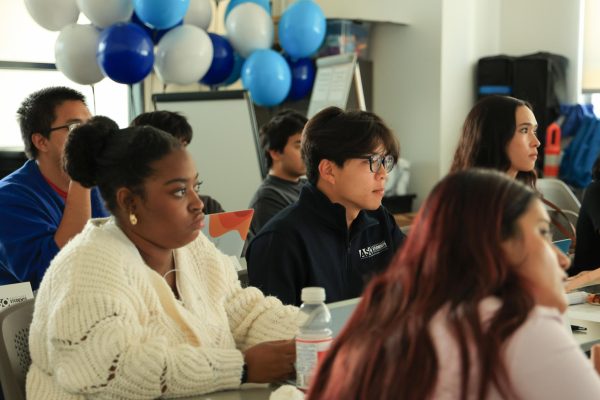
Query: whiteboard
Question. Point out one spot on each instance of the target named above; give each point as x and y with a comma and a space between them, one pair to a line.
225, 144
332, 85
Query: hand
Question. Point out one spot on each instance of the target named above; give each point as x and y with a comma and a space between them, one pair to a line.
270, 362
579, 275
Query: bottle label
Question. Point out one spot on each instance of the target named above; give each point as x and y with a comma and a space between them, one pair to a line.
309, 354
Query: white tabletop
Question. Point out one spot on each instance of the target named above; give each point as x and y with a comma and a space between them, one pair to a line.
247, 392
588, 316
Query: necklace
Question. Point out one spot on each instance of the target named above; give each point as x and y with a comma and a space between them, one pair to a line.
168, 272
173, 266
174, 284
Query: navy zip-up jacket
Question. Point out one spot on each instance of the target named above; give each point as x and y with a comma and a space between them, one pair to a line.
309, 244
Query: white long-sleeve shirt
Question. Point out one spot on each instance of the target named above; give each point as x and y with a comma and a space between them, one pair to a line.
542, 359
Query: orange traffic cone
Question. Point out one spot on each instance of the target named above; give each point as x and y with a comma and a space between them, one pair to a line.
552, 151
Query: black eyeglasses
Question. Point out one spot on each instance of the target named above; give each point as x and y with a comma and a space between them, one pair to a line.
69, 126
377, 160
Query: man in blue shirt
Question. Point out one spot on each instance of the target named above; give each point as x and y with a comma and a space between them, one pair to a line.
337, 235
41, 209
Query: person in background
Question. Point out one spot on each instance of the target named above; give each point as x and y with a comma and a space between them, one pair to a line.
337, 235
178, 126
141, 304
41, 208
587, 254
280, 140
479, 311
500, 132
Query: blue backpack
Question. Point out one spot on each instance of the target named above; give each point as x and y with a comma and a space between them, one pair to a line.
580, 154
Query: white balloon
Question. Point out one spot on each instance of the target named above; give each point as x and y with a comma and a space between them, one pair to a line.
75, 53
103, 13
53, 14
183, 55
249, 27
199, 13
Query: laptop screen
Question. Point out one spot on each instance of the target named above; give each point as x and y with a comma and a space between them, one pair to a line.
340, 313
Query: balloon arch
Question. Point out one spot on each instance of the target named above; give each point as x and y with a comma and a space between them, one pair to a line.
129, 38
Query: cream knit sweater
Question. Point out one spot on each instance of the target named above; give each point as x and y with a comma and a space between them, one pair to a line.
107, 326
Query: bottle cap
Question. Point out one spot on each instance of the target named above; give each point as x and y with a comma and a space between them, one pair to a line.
313, 295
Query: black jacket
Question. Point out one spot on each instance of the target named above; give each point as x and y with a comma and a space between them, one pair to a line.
309, 244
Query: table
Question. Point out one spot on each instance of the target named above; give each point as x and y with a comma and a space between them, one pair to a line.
247, 392
586, 315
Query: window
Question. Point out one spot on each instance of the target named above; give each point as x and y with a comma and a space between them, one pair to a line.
26, 55
591, 50
111, 98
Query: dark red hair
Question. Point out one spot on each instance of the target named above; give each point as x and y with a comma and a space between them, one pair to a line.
452, 258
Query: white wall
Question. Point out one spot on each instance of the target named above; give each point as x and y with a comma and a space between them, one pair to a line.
545, 25
406, 88
424, 72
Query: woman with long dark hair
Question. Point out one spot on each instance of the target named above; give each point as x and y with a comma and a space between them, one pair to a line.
500, 132
470, 308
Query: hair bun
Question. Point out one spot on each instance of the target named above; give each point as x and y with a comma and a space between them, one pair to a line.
84, 148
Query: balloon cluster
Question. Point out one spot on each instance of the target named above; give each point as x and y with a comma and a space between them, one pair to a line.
269, 76
128, 38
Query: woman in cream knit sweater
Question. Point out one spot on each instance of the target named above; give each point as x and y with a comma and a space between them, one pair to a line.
141, 305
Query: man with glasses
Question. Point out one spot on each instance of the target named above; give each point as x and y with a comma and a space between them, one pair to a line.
337, 235
41, 209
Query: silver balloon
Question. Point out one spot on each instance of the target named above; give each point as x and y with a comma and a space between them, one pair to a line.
75, 53
199, 13
53, 14
183, 55
249, 27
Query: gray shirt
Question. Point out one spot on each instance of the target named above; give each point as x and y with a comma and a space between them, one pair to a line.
273, 195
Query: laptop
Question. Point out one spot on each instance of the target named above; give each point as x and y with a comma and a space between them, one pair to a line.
228, 230
340, 313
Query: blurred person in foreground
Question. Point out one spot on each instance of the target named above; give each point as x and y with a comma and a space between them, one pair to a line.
470, 308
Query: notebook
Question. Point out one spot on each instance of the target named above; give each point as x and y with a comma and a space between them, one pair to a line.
228, 230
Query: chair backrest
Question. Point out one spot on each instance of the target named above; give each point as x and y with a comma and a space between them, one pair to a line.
558, 193
14, 348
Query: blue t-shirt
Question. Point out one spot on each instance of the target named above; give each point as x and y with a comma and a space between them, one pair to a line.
30, 213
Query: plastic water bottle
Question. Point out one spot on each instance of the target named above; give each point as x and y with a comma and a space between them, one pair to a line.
314, 338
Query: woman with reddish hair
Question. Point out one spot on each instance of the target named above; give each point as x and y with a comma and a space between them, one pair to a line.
470, 308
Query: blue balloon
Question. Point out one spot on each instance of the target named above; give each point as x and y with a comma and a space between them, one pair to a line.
125, 53
161, 14
303, 77
222, 62
302, 28
267, 76
236, 71
233, 3
155, 34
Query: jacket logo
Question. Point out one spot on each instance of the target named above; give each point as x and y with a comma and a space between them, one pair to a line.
373, 250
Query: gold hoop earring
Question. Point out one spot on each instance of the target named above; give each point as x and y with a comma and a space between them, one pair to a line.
133, 219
